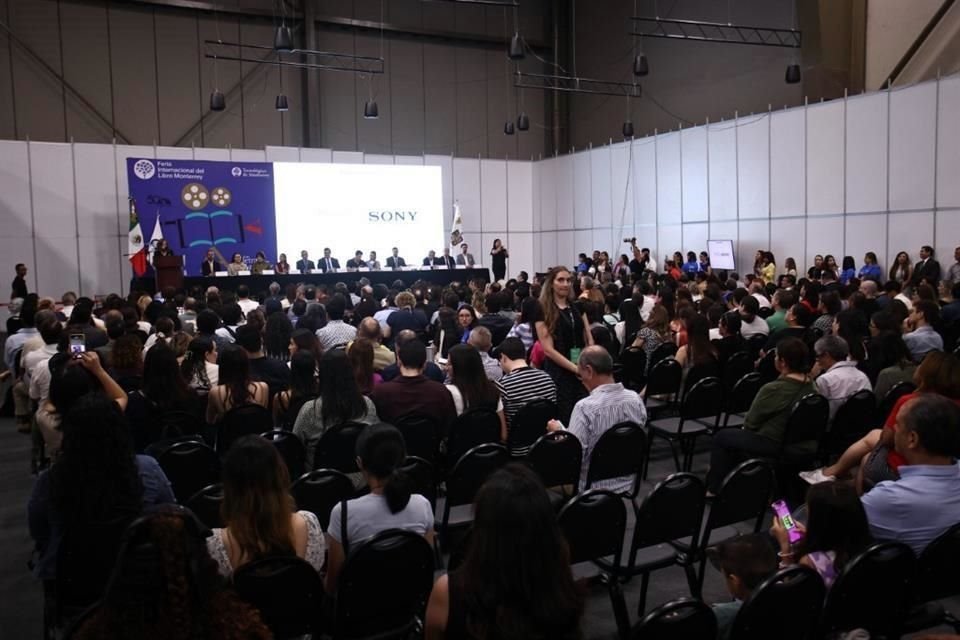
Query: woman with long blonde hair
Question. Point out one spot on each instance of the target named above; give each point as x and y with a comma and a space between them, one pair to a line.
563, 332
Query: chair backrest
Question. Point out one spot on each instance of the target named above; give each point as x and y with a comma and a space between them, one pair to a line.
634, 362
896, 392
529, 424
471, 471
743, 393
873, 591
287, 591
593, 523
664, 378
383, 586
205, 504
424, 477
190, 466
243, 420
785, 606
671, 511
767, 367
703, 400
681, 618
319, 490
744, 494
337, 447
665, 350
290, 448
472, 428
765, 312
756, 343
85, 560
698, 372
556, 457
938, 567
853, 420
421, 434
807, 422
618, 452
737, 365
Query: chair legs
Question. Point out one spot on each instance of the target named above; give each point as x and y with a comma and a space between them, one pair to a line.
620, 614
644, 585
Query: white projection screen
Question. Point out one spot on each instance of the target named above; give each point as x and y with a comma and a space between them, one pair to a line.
721, 254
351, 207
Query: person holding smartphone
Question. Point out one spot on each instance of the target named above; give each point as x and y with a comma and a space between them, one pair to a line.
836, 530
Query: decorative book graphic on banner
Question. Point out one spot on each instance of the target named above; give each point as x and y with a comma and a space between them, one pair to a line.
202, 204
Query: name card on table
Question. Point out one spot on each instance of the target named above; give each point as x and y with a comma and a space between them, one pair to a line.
364, 269
440, 266
220, 274
243, 273
267, 272
411, 268
461, 266
316, 271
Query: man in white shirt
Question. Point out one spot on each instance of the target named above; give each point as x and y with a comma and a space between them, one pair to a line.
243, 299
481, 340
756, 290
840, 378
750, 322
68, 300
336, 333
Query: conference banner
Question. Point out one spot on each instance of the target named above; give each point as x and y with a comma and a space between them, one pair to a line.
228, 206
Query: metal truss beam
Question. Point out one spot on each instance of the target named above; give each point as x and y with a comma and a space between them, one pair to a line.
321, 60
573, 84
489, 3
715, 32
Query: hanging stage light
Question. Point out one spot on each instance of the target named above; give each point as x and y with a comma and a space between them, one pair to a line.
792, 75
218, 102
508, 128
523, 122
370, 110
640, 65
282, 104
628, 129
283, 39
516, 48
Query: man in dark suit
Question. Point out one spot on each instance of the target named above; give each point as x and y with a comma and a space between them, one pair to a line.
395, 261
927, 269
327, 263
448, 260
211, 264
356, 261
303, 264
432, 259
19, 285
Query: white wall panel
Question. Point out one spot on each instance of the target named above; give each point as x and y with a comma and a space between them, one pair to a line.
582, 243
603, 240
695, 237
722, 150
202, 153
622, 185
466, 190
16, 226
866, 233
867, 153
493, 196
909, 232
563, 179
753, 166
913, 125
824, 237
101, 268
693, 149
56, 265
724, 230
348, 157
600, 187
521, 254
373, 158
410, 160
948, 237
566, 254
752, 235
174, 153
520, 196
787, 165
549, 187
548, 251
668, 179
645, 181
282, 154
248, 155
316, 155
446, 175
669, 239
825, 158
52, 179
582, 194
787, 240
948, 143
646, 235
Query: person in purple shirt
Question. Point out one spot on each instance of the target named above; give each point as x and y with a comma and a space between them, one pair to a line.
925, 501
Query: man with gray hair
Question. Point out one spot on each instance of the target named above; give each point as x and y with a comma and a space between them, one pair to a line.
481, 340
609, 403
840, 378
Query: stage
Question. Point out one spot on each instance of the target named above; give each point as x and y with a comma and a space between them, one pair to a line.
260, 283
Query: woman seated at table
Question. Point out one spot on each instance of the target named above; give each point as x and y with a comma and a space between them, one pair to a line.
236, 265
260, 264
282, 265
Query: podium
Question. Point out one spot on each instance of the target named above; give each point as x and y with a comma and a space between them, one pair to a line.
169, 271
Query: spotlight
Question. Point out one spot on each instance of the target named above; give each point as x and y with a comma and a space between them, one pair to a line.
218, 102
282, 103
628, 129
283, 39
516, 48
793, 74
523, 122
370, 110
640, 65
508, 128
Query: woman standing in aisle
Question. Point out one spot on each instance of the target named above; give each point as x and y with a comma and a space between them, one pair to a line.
500, 255
563, 332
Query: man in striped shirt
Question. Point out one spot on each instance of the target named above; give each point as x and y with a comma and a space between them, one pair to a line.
609, 403
520, 383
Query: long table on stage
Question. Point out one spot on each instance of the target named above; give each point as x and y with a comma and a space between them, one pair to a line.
258, 283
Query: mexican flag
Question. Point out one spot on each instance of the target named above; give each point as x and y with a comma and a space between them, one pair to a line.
135, 249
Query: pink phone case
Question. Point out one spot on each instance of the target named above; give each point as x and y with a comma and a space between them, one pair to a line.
786, 519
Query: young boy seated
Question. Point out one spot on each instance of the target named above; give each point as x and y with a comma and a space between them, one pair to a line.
745, 562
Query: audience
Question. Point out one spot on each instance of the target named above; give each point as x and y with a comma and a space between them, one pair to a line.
430, 369
336, 333
303, 387
750, 322
262, 369
199, 367
921, 338
236, 386
411, 392
369, 330
164, 391
840, 379
481, 340
469, 385
520, 383
744, 561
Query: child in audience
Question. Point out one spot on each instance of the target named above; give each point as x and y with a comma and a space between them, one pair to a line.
745, 561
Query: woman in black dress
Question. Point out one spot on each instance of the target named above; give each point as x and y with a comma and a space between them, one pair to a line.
563, 332
500, 255
162, 250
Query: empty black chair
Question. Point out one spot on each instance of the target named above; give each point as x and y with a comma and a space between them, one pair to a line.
619, 452
383, 587
667, 527
205, 504
738, 402
854, 418
287, 591
633, 361
472, 428
244, 420
421, 435
317, 491
337, 448
937, 569
700, 412
896, 392
744, 495
767, 367
804, 431
664, 351
557, 457
785, 606
528, 425
189, 466
663, 379
698, 372
737, 365
171, 425
682, 618
290, 448
872, 592
465, 479
594, 522
424, 477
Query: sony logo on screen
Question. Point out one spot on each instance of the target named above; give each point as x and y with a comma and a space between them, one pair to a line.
392, 216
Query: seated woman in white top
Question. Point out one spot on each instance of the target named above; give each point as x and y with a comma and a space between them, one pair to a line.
469, 385
199, 365
389, 505
235, 386
259, 511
